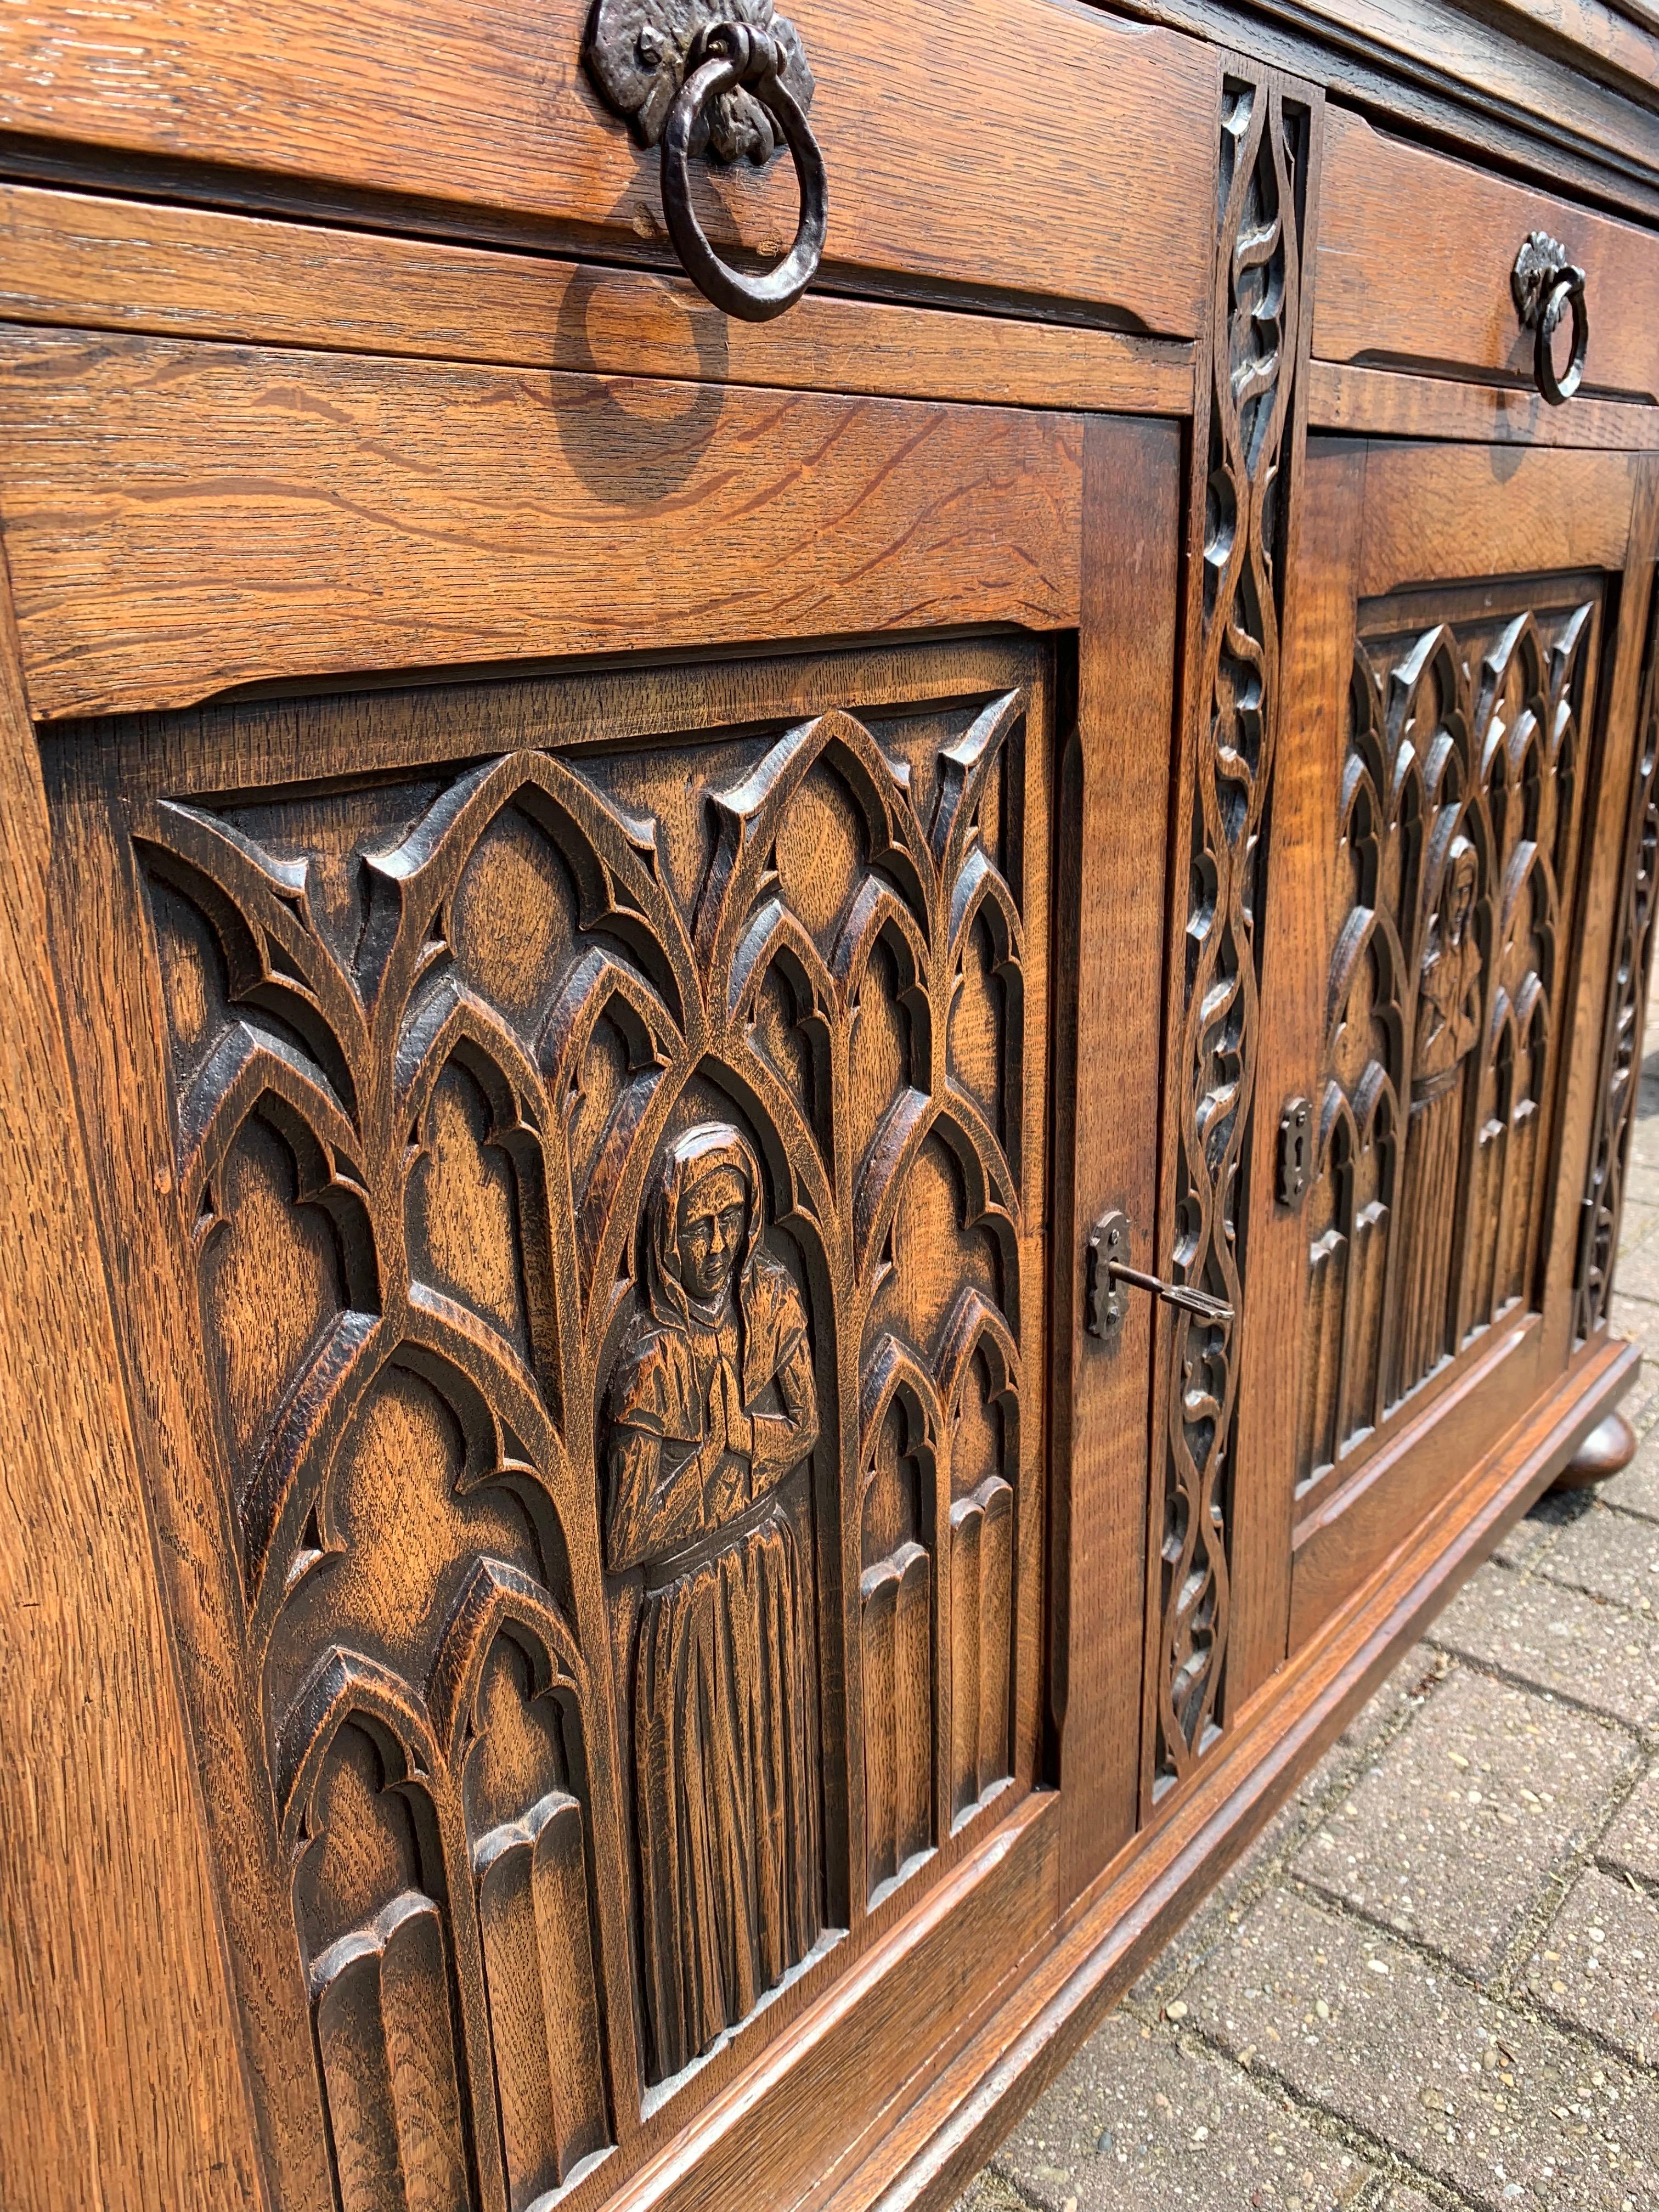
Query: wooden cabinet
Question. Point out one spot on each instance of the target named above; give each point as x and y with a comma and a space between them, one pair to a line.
806, 1113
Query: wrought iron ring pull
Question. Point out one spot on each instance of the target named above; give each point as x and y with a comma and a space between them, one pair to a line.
723, 56
1547, 287
1109, 1273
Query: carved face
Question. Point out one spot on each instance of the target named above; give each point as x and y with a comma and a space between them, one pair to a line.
710, 1232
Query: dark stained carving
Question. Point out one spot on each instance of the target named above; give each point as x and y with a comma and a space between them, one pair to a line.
1257, 308
1621, 1036
638, 52
1447, 1029
1458, 837
602, 1172
711, 1406
1546, 286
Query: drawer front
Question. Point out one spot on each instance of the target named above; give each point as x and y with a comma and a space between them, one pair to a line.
1004, 149
1414, 261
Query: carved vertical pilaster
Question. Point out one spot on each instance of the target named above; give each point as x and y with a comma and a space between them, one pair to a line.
1617, 1080
1232, 726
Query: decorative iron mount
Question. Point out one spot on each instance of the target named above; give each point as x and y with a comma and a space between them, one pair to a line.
728, 78
1110, 1274
1546, 284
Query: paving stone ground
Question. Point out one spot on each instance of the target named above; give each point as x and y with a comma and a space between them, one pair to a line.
1433, 1986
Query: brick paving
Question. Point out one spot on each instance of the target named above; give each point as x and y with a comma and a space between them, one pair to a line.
1434, 1983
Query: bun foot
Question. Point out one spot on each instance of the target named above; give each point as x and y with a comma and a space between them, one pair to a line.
1610, 1446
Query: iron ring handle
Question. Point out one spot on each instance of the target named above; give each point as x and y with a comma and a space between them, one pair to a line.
1566, 292
729, 54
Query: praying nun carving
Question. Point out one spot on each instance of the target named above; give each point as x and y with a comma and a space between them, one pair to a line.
712, 1406
1448, 1027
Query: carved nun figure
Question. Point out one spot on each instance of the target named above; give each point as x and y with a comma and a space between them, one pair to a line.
1447, 1024
711, 1406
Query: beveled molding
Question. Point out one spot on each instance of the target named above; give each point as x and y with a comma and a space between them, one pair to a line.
91, 262
1506, 85
1381, 402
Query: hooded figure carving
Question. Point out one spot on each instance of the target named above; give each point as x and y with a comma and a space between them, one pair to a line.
711, 1406
1448, 1027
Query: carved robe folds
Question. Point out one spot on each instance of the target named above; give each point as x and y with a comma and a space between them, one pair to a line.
1448, 1027
724, 1706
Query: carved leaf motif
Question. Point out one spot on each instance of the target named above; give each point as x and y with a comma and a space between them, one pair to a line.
1257, 298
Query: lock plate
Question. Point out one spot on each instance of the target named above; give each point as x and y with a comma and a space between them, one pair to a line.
1103, 1300
1295, 1151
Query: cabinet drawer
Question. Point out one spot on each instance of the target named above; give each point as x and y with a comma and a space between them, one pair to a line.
1005, 149
1415, 261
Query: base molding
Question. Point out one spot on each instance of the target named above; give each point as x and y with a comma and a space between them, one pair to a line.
1607, 1450
932, 2152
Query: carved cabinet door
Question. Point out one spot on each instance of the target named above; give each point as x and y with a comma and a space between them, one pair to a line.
593, 1165
1464, 636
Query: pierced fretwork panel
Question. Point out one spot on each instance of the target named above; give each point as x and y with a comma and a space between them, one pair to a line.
604, 1169
1458, 833
1256, 312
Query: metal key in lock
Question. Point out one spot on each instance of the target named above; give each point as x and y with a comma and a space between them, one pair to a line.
1109, 1275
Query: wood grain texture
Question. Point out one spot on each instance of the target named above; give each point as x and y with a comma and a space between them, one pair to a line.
1319, 630
1245, 448
181, 518
852, 2064
1608, 1451
1620, 39
1114, 783
1440, 70
121, 2073
1460, 512
1612, 958
1471, 720
1382, 403
1349, 1535
592, 1374
1257, 1560
1407, 1291
70, 257
751, 964
1478, 57
1414, 267
485, 108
